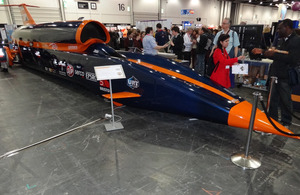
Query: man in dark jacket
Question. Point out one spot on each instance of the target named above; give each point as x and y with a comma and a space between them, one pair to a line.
161, 36
281, 93
201, 52
177, 43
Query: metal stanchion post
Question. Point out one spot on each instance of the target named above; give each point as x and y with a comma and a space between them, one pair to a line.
244, 160
273, 80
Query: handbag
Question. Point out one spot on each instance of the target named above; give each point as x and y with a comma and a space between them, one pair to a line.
294, 76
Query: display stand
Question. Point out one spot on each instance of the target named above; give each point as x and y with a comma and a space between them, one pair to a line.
245, 160
108, 73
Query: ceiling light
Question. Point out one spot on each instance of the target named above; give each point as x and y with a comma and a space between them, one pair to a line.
249, 1
260, 2
271, 3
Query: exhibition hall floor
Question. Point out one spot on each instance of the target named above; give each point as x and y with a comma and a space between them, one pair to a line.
156, 153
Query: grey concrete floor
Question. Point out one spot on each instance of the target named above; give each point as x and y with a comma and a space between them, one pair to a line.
156, 153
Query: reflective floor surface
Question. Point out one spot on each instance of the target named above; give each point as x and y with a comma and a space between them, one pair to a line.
156, 153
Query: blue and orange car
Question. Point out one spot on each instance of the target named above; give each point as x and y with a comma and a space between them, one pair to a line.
70, 50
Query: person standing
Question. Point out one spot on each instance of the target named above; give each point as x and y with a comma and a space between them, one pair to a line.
128, 41
201, 52
161, 36
4, 58
195, 37
282, 90
187, 39
149, 44
223, 62
176, 43
234, 43
137, 41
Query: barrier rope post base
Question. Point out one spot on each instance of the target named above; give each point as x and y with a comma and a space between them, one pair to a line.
273, 81
244, 160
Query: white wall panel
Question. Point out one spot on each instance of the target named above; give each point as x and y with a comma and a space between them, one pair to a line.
263, 14
207, 10
3, 15
112, 11
48, 11
148, 6
73, 13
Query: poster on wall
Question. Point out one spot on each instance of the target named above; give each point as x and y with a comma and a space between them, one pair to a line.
83, 5
9, 29
187, 12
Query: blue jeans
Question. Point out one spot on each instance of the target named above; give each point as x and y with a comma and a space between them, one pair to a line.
200, 64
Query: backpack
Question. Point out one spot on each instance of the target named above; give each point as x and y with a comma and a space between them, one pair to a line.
208, 43
211, 66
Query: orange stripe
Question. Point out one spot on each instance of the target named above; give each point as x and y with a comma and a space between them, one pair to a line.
296, 98
185, 78
60, 46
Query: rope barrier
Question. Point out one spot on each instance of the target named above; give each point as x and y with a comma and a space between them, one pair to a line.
272, 123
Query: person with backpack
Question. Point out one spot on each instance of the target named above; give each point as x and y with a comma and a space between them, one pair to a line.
223, 62
161, 37
233, 45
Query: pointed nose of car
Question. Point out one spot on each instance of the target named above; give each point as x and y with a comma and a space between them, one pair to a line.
239, 116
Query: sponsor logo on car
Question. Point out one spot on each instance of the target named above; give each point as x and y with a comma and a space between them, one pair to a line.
133, 83
62, 73
70, 70
90, 76
79, 73
53, 46
104, 86
72, 47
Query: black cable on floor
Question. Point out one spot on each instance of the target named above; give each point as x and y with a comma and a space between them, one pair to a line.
272, 123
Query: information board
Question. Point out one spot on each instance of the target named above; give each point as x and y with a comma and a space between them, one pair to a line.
109, 72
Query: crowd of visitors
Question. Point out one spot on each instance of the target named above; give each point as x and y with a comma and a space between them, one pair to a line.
192, 45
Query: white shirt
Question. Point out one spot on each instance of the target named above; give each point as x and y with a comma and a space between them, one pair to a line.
149, 44
187, 42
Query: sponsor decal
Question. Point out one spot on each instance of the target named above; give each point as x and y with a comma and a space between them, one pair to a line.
90, 76
38, 54
55, 62
104, 86
104, 83
53, 46
70, 70
133, 83
62, 73
52, 70
79, 73
72, 47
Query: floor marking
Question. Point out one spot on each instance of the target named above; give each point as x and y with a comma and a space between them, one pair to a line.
30, 187
212, 192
